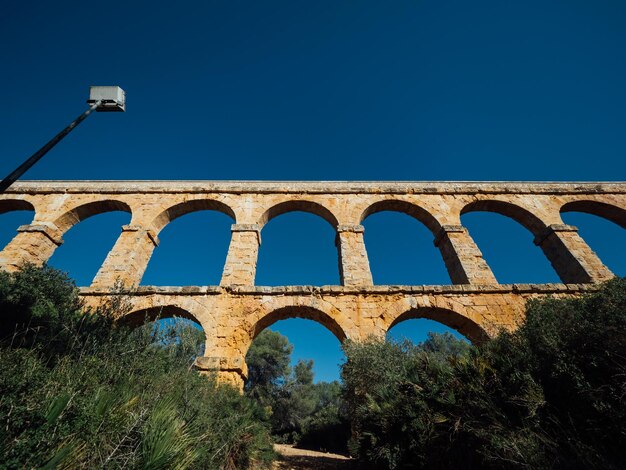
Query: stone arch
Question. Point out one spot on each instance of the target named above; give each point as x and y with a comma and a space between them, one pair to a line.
89, 209
10, 225
539, 230
297, 311
413, 210
607, 211
10, 205
328, 241
299, 205
147, 314
468, 328
508, 209
194, 205
447, 255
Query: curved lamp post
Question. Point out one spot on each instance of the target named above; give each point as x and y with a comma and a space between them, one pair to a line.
101, 98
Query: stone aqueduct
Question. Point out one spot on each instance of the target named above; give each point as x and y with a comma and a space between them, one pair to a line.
233, 313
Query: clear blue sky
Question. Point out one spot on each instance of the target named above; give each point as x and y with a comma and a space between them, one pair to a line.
327, 90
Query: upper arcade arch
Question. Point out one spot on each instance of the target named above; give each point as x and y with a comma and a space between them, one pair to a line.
509, 248
569, 255
191, 250
83, 211
10, 205
14, 213
509, 209
608, 211
193, 205
405, 207
601, 226
87, 244
298, 248
462, 258
296, 205
401, 251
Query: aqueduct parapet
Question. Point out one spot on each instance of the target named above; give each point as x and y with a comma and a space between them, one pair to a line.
233, 313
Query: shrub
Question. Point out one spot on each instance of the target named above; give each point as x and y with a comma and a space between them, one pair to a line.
550, 395
79, 391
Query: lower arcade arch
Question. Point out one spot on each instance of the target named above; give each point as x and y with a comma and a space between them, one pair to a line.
142, 316
168, 324
446, 317
305, 312
312, 336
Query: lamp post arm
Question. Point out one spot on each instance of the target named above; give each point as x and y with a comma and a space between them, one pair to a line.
23, 168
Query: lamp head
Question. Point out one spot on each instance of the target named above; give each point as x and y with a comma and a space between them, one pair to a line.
113, 98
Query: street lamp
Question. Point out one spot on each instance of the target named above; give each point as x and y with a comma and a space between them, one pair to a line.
101, 99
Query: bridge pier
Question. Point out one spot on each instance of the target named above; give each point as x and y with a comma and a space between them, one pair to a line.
128, 259
33, 243
572, 259
354, 266
228, 370
463, 259
243, 253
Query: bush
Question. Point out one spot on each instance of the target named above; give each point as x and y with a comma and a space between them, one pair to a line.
79, 391
550, 395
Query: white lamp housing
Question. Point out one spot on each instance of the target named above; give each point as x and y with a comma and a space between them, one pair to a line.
113, 98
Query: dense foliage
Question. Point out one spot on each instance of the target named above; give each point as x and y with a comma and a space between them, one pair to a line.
311, 415
550, 395
79, 391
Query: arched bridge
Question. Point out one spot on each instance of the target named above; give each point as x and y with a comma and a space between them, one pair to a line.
233, 313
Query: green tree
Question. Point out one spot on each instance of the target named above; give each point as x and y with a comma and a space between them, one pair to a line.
444, 345
295, 402
550, 395
301, 411
268, 361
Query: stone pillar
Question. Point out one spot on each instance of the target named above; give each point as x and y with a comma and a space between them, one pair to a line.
33, 244
354, 266
128, 259
570, 256
228, 370
243, 253
464, 261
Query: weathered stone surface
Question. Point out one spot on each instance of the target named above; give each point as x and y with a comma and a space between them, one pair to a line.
233, 313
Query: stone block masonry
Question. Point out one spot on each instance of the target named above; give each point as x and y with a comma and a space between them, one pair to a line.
233, 313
